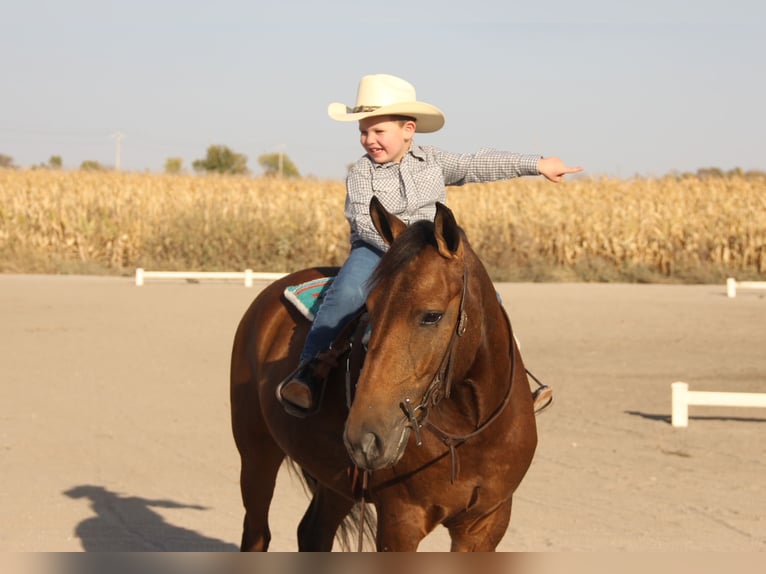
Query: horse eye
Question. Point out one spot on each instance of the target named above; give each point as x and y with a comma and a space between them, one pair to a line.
431, 318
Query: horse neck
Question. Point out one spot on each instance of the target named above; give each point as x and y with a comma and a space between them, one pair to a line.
481, 374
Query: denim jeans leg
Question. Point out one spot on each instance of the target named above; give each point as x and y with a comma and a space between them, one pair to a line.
345, 296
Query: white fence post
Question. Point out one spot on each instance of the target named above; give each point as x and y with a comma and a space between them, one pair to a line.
731, 287
139, 277
680, 404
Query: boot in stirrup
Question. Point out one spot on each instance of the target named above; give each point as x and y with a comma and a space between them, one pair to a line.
301, 393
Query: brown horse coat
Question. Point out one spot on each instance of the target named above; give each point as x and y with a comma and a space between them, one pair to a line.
456, 386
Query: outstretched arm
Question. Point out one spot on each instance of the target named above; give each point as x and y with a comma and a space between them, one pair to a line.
554, 169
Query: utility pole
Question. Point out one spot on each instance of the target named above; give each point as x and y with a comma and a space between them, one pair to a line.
281, 148
117, 141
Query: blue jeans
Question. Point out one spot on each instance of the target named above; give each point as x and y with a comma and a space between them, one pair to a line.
344, 297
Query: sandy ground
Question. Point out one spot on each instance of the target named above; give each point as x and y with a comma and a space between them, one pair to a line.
114, 418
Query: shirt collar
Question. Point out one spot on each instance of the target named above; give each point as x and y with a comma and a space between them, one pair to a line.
417, 151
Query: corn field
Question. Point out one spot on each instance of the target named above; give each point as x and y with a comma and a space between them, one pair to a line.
688, 229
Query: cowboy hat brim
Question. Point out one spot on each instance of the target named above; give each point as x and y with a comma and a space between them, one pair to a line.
428, 118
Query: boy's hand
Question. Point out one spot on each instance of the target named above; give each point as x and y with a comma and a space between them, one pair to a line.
554, 169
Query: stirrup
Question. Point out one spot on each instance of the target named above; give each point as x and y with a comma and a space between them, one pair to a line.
542, 397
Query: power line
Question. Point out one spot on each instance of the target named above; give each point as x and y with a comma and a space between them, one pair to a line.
281, 148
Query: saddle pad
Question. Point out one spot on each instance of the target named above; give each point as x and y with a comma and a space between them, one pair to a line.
307, 297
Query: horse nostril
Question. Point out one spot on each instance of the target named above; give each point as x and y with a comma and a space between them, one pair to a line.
369, 446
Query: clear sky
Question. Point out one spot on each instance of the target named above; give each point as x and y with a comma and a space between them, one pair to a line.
622, 88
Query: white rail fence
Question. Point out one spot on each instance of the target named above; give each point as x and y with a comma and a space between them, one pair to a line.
732, 285
682, 398
248, 276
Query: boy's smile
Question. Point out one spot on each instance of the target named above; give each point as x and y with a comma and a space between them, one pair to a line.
386, 139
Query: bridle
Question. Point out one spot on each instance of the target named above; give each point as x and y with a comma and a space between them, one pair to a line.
441, 386
441, 383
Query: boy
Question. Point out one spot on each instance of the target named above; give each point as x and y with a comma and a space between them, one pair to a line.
409, 180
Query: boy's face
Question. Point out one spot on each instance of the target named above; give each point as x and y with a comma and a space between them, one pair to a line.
386, 139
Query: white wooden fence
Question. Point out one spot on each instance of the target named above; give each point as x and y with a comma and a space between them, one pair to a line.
248, 276
732, 285
682, 397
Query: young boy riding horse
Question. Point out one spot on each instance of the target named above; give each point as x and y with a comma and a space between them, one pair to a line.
408, 179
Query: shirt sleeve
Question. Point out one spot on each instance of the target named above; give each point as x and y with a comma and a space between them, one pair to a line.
358, 196
485, 165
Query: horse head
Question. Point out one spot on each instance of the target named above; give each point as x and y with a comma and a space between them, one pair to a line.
417, 308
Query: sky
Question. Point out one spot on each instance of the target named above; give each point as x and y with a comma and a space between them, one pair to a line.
621, 88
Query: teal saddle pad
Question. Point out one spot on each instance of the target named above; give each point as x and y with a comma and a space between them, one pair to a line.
307, 297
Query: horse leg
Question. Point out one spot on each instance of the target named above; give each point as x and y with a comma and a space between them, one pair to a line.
260, 458
401, 528
258, 478
316, 531
482, 533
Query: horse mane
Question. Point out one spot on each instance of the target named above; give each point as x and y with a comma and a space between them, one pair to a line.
407, 245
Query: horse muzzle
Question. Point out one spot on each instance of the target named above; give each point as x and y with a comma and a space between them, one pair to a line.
374, 448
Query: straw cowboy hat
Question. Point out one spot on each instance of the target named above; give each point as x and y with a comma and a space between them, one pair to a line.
383, 95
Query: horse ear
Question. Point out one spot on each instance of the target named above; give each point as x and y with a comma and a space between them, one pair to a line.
447, 232
389, 226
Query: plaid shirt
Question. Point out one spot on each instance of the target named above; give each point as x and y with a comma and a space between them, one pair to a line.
410, 189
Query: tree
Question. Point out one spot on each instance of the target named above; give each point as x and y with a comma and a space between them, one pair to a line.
173, 165
91, 165
55, 162
705, 172
6, 161
277, 165
220, 159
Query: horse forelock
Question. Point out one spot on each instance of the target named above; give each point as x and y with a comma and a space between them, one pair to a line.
402, 251
408, 245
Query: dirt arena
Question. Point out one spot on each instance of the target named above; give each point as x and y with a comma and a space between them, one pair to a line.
114, 418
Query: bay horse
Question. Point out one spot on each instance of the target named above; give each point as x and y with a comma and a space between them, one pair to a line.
441, 427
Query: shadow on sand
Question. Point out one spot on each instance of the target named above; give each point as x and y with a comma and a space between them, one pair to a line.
128, 524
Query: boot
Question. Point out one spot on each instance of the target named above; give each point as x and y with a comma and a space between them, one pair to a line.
301, 393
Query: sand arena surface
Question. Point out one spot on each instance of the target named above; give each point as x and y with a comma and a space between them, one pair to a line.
115, 432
